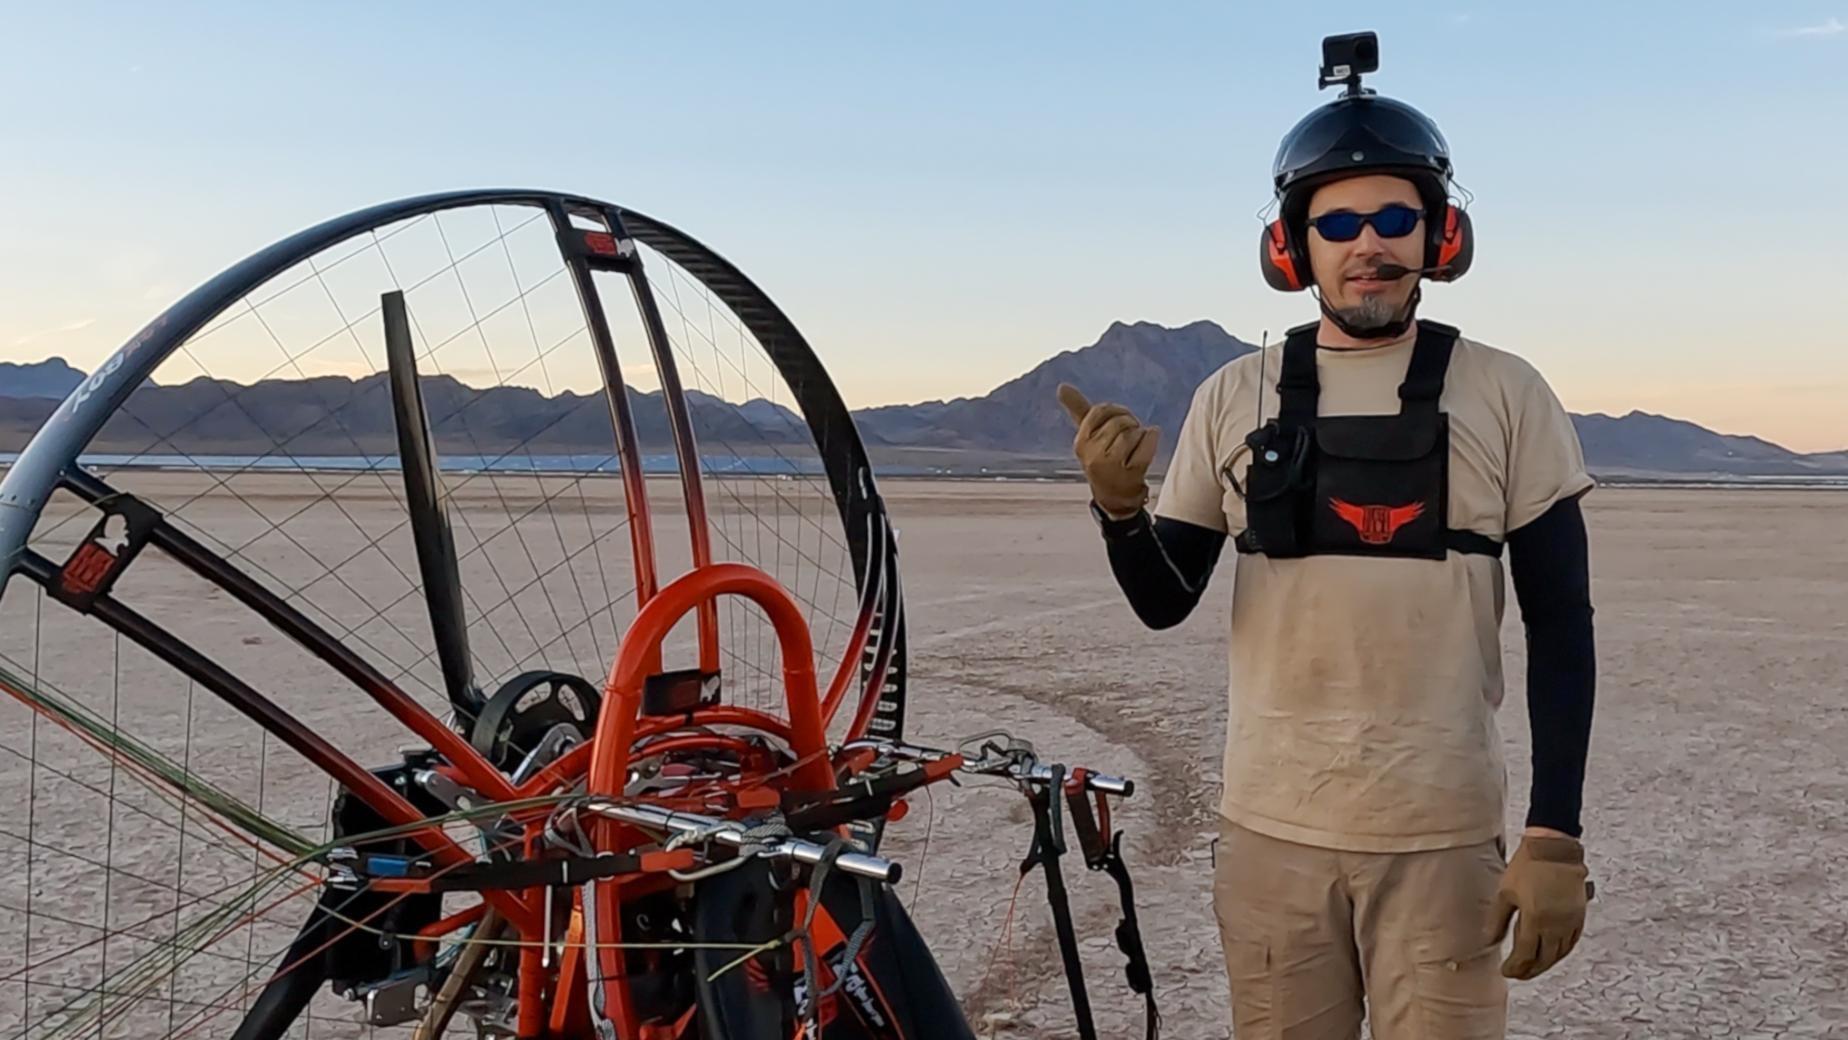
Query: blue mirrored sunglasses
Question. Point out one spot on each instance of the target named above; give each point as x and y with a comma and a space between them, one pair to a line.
1391, 221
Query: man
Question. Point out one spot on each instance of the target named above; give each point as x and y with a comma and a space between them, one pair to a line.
1370, 471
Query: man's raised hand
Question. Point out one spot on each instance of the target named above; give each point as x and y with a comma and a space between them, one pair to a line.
1115, 450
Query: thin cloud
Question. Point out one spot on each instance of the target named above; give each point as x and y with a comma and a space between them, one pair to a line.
1832, 27
74, 326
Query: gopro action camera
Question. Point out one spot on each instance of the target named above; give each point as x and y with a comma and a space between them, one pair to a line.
1345, 58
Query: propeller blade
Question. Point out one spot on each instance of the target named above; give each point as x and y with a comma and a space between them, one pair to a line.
428, 503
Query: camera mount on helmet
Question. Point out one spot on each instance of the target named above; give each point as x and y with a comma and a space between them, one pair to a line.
1345, 58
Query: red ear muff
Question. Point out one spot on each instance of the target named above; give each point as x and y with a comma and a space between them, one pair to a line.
1275, 259
1454, 246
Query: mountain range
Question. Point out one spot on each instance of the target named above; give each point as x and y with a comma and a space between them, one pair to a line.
52, 378
1017, 427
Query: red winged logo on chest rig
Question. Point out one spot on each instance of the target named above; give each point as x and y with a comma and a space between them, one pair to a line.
1376, 525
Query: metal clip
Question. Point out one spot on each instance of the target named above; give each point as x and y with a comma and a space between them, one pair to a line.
447, 791
397, 1001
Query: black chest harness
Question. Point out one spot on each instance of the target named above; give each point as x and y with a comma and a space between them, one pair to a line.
1356, 485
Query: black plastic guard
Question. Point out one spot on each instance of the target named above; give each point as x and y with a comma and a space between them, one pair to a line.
893, 989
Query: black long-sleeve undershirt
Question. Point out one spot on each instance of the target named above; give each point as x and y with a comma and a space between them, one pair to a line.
1163, 566
1550, 564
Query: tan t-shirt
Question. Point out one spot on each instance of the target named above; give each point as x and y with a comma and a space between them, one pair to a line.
1364, 690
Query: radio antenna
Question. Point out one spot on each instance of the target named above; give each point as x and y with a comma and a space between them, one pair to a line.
1263, 356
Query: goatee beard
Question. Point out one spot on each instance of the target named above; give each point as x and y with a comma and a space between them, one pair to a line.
1371, 314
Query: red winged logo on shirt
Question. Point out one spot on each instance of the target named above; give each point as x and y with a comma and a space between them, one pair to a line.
1376, 525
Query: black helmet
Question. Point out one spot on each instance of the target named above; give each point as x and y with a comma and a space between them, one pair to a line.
1361, 133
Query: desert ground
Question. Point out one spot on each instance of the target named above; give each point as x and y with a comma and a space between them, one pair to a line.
1716, 803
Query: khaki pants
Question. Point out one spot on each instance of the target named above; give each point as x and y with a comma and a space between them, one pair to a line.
1315, 938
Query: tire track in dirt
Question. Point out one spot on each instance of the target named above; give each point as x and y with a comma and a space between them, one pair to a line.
1151, 699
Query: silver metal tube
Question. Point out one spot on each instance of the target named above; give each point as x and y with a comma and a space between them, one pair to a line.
908, 752
1115, 785
851, 862
731, 832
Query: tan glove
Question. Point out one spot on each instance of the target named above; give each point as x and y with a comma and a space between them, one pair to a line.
1115, 450
1546, 882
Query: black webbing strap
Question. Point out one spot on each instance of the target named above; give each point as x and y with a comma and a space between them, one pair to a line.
1048, 846
856, 799
1461, 541
1297, 386
1471, 542
1107, 856
1424, 375
1424, 384
481, 877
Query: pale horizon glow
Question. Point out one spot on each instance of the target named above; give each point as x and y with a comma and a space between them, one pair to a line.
943, 198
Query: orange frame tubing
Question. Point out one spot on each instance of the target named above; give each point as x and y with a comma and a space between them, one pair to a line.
569, 1011
425, 944
686, 446
622, 696
531, 972
849, 666
573, 764
617, 725
478, 771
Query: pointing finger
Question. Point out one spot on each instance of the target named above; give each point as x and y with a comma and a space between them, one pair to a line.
1076, 404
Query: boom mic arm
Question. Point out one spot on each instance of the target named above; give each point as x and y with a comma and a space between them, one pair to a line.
1393, 272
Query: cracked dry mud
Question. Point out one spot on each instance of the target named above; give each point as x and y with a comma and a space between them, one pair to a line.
1716, 805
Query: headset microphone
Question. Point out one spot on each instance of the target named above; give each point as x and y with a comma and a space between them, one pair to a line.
1394, 272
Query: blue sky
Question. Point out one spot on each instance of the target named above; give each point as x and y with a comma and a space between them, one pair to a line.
943, 195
